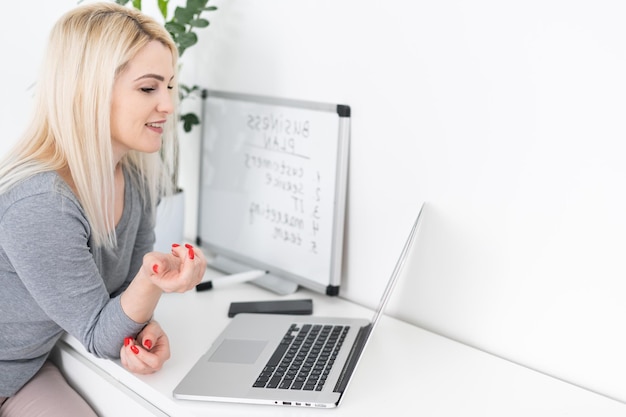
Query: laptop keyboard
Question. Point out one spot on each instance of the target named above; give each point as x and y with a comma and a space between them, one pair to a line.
304, 358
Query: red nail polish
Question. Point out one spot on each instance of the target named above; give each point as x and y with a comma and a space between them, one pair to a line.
127, 341
175, 245
134, 349
155, 268
191, 253
188, 246
147, 343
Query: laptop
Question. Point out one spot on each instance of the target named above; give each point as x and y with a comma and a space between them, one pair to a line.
288, 360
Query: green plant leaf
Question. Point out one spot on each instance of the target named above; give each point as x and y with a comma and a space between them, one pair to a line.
137, 4
185, 88
196, 4
189, 120
121, 2
199, 23
187, 39
163, 8
185, 91
183, 15
174, 28
210, 9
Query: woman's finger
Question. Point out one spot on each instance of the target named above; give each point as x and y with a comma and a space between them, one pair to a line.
138, 360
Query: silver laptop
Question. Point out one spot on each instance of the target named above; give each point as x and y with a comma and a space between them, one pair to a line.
288, 360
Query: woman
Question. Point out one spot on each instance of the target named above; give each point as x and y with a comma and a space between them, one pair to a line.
77, 203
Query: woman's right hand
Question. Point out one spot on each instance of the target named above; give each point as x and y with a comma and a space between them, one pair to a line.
148, 352
179, 271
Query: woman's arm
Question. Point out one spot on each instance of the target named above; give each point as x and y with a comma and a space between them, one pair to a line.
52, 275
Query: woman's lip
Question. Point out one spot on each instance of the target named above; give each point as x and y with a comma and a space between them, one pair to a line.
156, 126
156, 129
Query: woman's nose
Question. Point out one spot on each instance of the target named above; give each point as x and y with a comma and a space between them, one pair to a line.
166, 104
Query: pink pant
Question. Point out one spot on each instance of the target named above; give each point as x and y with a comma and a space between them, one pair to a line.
46, 394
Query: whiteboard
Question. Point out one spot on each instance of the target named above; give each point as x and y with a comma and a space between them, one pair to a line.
273, 186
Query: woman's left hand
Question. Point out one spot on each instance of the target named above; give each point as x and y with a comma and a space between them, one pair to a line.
148, 352
179, 271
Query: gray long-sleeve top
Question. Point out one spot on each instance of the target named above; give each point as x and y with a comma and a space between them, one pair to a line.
53, 279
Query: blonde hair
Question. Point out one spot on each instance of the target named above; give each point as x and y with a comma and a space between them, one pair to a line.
88, 47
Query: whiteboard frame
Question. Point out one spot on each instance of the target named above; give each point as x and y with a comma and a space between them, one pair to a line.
232, 262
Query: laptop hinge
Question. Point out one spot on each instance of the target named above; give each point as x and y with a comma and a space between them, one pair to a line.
353, 358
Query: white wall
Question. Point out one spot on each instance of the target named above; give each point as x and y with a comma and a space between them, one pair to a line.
507, 117
23, 36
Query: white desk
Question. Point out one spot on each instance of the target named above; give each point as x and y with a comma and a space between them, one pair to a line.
428, 375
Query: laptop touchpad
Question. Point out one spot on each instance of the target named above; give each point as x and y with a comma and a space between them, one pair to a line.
238, 351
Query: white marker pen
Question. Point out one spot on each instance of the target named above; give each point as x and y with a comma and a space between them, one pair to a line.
230, 279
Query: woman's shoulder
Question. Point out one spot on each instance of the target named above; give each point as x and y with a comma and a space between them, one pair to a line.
41, 186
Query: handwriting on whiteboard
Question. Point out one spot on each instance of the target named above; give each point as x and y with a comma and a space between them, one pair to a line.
278, 155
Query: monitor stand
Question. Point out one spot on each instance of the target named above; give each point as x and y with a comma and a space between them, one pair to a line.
273, 283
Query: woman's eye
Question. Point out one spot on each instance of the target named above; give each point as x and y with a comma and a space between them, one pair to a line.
170, 87
147, 89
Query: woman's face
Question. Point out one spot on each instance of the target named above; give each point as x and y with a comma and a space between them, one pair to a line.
142, 100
